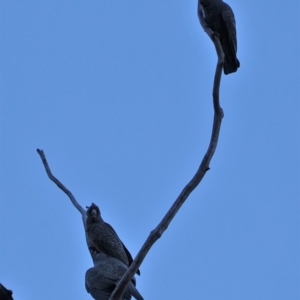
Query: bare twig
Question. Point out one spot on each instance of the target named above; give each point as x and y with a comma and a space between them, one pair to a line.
203, 168
66, 191
58, 183
61, 186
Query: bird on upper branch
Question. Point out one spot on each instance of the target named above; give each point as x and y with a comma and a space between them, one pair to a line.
220, 19
101, 280
103, 237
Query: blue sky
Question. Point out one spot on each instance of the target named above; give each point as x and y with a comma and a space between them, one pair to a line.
118, 95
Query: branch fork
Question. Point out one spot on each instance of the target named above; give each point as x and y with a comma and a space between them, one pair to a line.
187, 190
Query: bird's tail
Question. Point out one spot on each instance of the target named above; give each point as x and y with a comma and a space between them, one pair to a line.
134, 292
231, 66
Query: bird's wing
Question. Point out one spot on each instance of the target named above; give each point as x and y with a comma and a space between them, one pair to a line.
134, 292
129, 257
101, 277
229, 20
110, 229
105, 239
115, 238
90, 279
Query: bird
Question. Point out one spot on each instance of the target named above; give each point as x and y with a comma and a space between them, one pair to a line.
101, 280
5, 294
220, 19
103, 237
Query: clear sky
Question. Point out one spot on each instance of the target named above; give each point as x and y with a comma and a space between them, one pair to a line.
118, 95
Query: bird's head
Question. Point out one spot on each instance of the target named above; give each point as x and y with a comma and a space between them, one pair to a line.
93, 212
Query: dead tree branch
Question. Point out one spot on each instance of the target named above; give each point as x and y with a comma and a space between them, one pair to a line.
203, 168
62, 187
58, 183
66, 191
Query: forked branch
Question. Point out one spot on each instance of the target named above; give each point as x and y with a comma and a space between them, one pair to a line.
203, 168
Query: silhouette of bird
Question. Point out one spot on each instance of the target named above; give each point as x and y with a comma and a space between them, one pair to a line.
220, 19
103, 237
5, 294
101, 280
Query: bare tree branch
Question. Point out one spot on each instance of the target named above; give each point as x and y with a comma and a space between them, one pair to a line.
58, 183
66, 191
61, 186
203, 168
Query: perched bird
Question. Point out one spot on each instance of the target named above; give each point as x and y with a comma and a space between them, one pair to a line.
220, 19
103, 237
101, 280
5, 294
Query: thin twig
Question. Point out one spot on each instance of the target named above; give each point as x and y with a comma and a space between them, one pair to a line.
203, 168
58, 183
61, 186
66, 191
